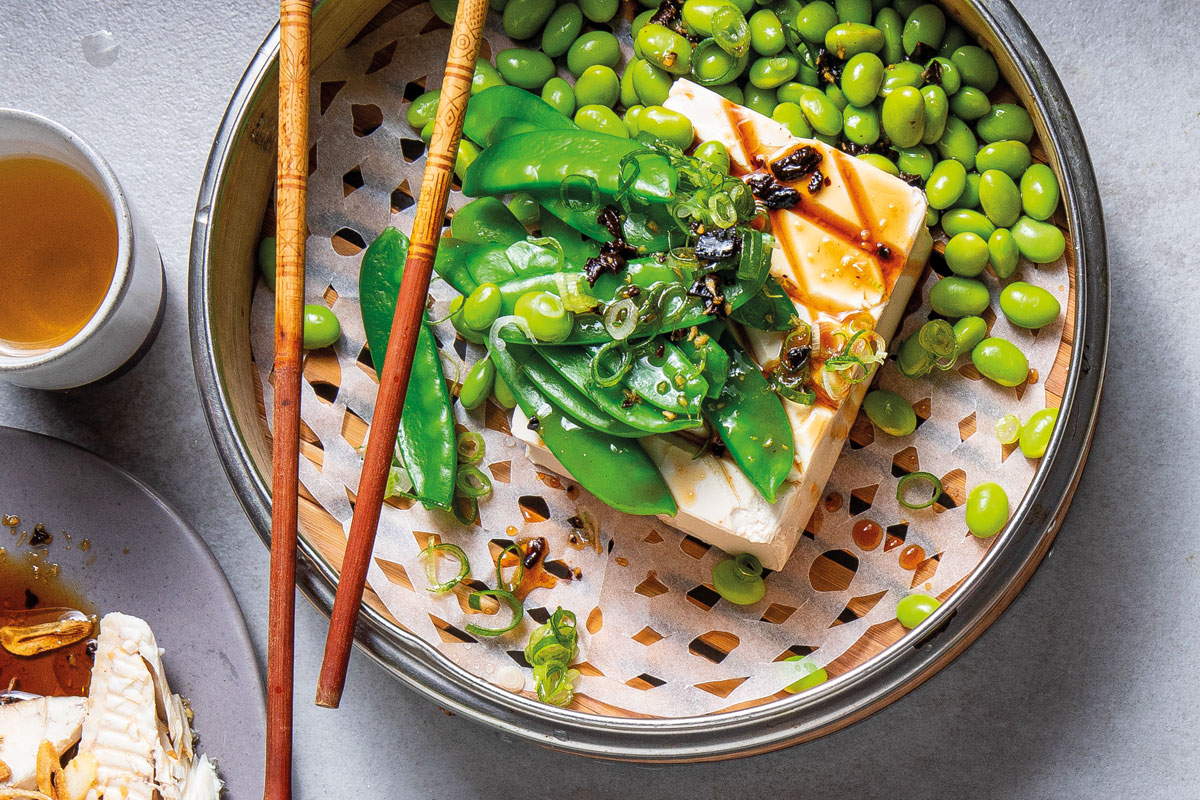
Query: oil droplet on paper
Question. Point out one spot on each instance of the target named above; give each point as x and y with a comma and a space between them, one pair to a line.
100, 48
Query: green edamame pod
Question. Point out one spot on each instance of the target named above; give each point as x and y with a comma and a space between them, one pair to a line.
815, 20
668, 125
266, 260
444, 9
970, 195
426, 436
761, 100
485, 220
881, 162
321, 327
714, 153
628, 93
890, 412
503, 394
600, 11
897, 76
1039, 192
766, 32
790, 116
966, 254
954, 38
853, 10
1001, 361
698, 15
943, 73
770, 72
601, 119
915, 160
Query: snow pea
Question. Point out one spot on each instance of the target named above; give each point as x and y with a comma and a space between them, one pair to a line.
540, 162
506, 127
562, 29
576, 249
1039, 192
426, 437
568, 398
1028, 306
450, 264
1010, 157
490, 105
752, 422
1001, 361
486, 220
668, 381
704, 351
645, 226
525, 208
617, 471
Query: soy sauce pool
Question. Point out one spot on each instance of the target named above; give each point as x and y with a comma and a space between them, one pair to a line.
29, 583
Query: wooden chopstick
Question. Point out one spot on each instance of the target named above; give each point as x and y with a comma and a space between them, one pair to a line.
291, 182
414, 288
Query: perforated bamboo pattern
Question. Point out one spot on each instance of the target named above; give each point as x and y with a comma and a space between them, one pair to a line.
655, 638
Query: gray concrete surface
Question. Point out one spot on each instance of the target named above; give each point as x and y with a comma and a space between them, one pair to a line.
1085, 688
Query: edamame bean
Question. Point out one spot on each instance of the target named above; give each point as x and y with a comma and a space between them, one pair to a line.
422, 110
853, 10
958, 142
937, 110
598, 85
714, 153
769, 72
914, 609
562, 29
766, 33
925, 25
861, 124
504, 395
897, 76
711, 64
485, 77
595, 47
482, 306
944, 74
970, 195
946, 184
629, 96
956, 297
524, 18
987, 510
1005, 121
544, 312
599, 10
891, 25
1028, 306
601, 119
1035, 434
977, 66
559, 94
731, 92
477, 384
698, 15
266, 260
665, 48
999, 197
821, 113
1003, 253
1040, 242
970, 104
791, 92
1010, 157
968, 332
932, 217
464, 330
890, 412
670, 126
903, 117
651, 84
881, 162
639, 21
1039, 192
633, 115
861, 79
761, 100
837, 97
1000, 360
791, 116
966, 254
321, 327
961, 219
954, 38
906, 7
915, 161
445, 10
495, 5
529, 69
815, 20
525, 208
848, 39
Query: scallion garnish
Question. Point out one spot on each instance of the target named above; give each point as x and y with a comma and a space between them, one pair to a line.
929, 479
470, 447
471, 482
551, 649
475, 601
430, 557
580, 193
518, 571
603, 378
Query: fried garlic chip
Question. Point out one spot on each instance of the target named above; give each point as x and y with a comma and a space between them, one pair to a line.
30, 640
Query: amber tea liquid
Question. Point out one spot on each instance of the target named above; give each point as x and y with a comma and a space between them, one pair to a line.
58, 252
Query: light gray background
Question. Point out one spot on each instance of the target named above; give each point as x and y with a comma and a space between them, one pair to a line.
1087, 687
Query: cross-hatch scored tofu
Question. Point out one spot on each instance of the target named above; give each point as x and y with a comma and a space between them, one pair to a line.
853, 248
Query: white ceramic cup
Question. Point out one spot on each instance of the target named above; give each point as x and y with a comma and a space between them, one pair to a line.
125, 325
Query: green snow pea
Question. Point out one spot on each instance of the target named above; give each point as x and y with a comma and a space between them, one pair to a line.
1040, 242
970, 104
1003, 253
861, 124
977, 66
958, 142
890, 412
1035, 434
1010, 157
1005, 122
862, 78
450, 264
559, 95
596, 47
903, 116
540, 162
525, 208
703, 351
562, 29
477, 384
568, 398
967, 254
529, 69
490, 105
753, 423
1028, 306
524, 18
962, 219
667, 381
987, 510
665, 48
617, 471
506, 127
645, 227
999, 197
937, 110
426, 437
946, 184
486, 220
1001, 361
769, 310
925, 25
848, 39
1039, 192
955, 296
968, 332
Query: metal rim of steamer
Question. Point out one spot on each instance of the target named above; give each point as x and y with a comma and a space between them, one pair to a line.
845, 699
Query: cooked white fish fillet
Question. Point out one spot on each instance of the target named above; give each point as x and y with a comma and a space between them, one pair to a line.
24, 725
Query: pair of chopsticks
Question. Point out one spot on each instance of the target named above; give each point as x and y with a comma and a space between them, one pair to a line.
295, 20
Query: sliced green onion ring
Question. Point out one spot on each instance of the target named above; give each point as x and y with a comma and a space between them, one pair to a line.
471, 482
518, 571
621, 318
672, 304
475, 601
698, 52
937, 336
617, 375
572, 289
470, 447
580, 193
1008, 429
918, 477
430, 556
730, 30
465, 508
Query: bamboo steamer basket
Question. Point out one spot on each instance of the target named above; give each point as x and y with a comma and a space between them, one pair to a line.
234, 209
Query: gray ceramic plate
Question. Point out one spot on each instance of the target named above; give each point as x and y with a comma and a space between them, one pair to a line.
146, 561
